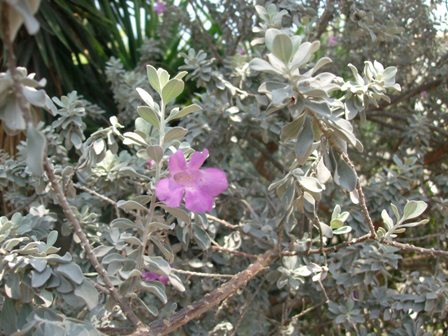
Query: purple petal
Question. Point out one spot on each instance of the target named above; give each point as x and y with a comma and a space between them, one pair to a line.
150, 276
198, 159
213, 181
163, 279
177, 162
168, 191
198, 201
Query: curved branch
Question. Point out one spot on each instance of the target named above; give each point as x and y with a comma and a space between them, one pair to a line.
325, 18
68, 212
165, 326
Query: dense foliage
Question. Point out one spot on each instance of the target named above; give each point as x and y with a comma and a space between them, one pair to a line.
322, 207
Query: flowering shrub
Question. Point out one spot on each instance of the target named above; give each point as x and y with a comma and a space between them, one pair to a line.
322, 206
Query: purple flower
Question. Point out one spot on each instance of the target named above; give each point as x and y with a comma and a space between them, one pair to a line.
159, 7
424, 94
151, 276
150, 164
199, 186
332, 41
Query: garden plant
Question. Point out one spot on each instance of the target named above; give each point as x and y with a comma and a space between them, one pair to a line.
200, 167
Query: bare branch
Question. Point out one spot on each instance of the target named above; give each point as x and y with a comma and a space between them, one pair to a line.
411, 248
408, 94
325, 18
246, 306
104, 198
86, 244
166, 326
237, 253
201, 274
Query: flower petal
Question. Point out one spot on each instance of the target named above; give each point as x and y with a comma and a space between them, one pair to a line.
150, 276
177, 162
168, 191
198, 201
163, 279
198, 159
213, 181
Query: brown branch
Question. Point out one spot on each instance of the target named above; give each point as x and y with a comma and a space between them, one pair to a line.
436, 154
329, 249
303, 312
325, 18
223, 222
266, 150
68, 212
165, 326
344, 156
237, 253
411, 248
362, 197
102, 197
408, 94
203, 275
206, 35
246, 307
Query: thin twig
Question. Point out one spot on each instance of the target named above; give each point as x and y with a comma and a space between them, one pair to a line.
246, 306
102, 197
294, 318
324, 19
344, 156
411, 248
86, 244
329, 249
237, 253
362, 197
223, 222
23, 206
439, 236
239, 228
408, 94
203, 275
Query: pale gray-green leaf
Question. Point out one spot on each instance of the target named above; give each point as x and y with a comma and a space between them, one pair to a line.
342, 230
172, 89
155, 152
155, 288
388, 222
36, 144
175, 133
344, 176
305, 141
153, 78
38, 279
71, 271
88, 293
131, 205
185, 111
149, 115
413, 209
158, 264
282, 47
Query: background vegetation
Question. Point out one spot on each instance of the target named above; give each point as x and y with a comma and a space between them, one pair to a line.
336, 216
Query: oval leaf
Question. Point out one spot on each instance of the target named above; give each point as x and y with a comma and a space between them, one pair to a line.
413, 209
344, 176
149, 115
305, 141
172, 89
35, 148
